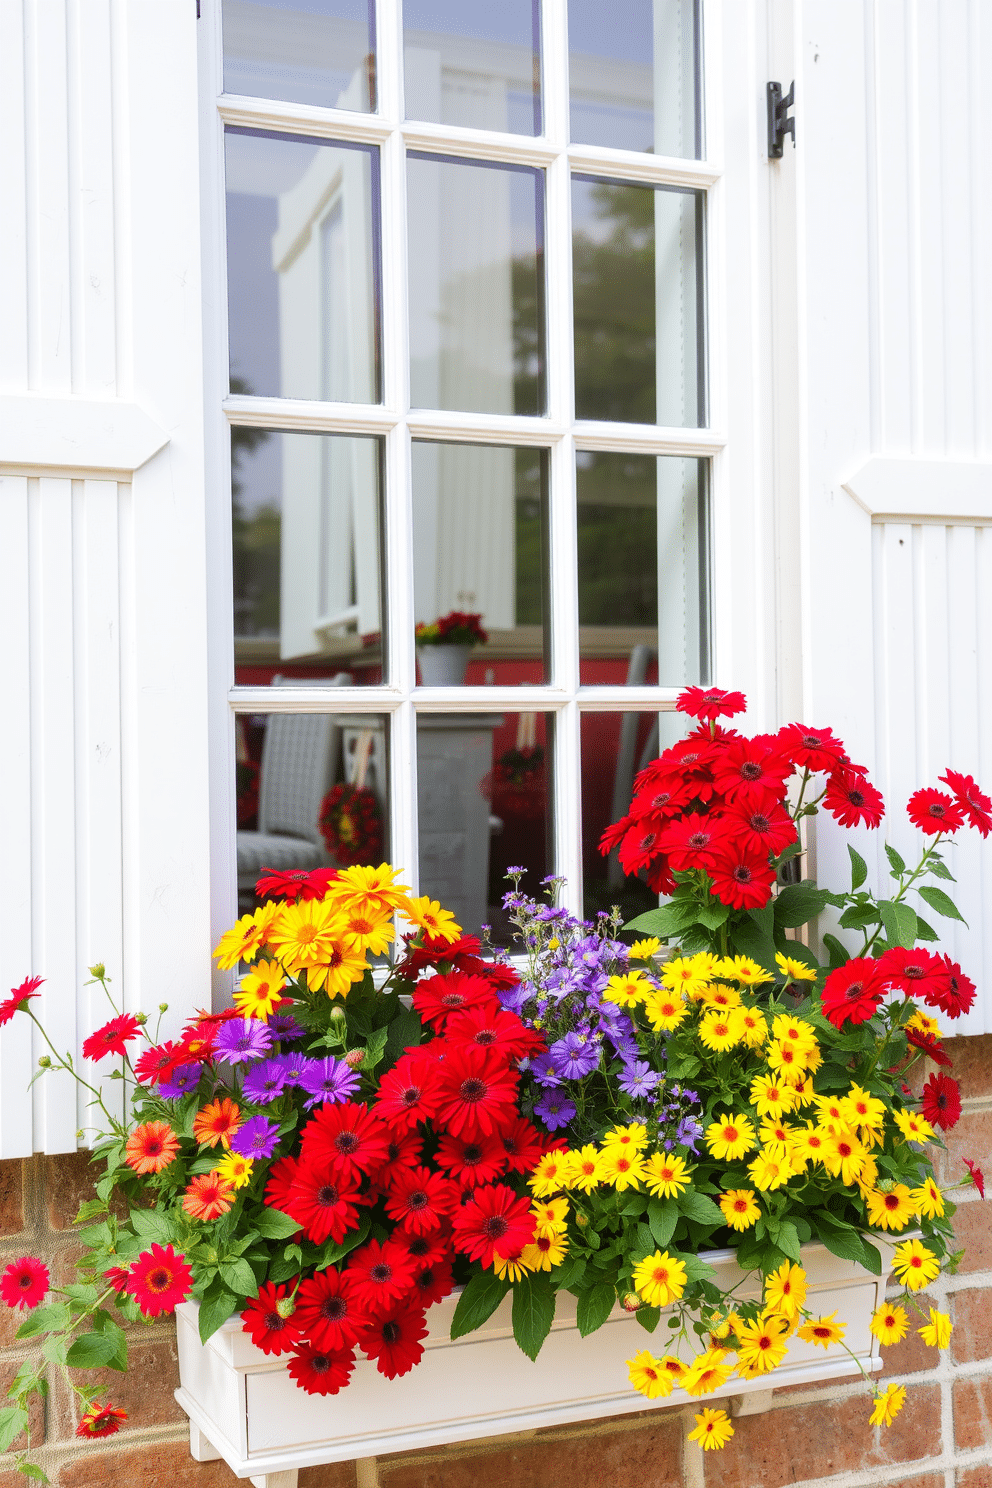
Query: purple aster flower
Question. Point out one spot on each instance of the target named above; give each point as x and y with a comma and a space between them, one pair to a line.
543, 1072
328, 1080
295, 1063
242, 1039
573, 1056
513, 998
688, 1133
284, 1027
639, 1079
265, 1082
257, 1137
184, 1079
555, 1109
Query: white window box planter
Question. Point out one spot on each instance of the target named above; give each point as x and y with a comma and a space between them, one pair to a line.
244, 1407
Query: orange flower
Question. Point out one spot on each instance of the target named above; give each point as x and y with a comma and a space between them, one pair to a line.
208, 1197
217, 1123
151, 1147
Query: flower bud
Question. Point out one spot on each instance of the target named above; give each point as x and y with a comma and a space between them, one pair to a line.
163, 1007
581, 1219
885, 1185
630, 1302
99, 971
45, 1062
337, 1015
355, 1058
141, 1018
285, 1307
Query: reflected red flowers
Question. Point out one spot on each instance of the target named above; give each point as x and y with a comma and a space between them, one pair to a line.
321, 1371
941, 1101
24, 1282
933, 811
853, 992
392, 1339
19, 998
159, 1280
112, 1038
101, 1420
270, 1321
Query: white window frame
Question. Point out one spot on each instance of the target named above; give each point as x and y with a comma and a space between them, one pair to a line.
743, 636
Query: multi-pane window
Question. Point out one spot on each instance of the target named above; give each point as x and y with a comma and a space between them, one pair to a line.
467, 363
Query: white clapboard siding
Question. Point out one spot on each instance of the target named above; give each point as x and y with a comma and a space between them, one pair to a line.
103, 755
894, 221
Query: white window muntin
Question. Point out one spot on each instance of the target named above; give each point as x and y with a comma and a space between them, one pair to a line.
558, 431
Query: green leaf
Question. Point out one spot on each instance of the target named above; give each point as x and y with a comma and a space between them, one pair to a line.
91, 1351
747, 939
50, 1319
924, 930
838, 952
215, 1310
899, 922
712, 915
570, 1273
859, 868
13, 1420
667, 921
941, 902
872, 1257
54, 1349
152, 1224
663, 1216
90, 1210
840, 1239
695, 1269
787, 1241
594, 1308
272, 1224
336, 1251
896, 863
533, 1312
648, 1317
939, 869
32, 1470
477, 1303
859, 917
698, 1207
115, 1335
239, 1277
799, 903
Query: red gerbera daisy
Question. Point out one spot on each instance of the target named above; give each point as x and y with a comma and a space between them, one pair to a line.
523, 1145
642, 842
915, 973
404, 1149
159, 1280
280, 1183
478, 1092
420, 1200
112, 1038
851, 800
208, 1196
392, 1339
19, 998
116, 1277
955, 993
493, 1028
433, 1284
693, 841
664, 799
614, 835
475, 1161
752, 772
941, 1101
296, 885
975, 804
930, 1045
710, 702
742, 877
379, 1274
763, 831
409, 1092
101, 1420
347, 1136
24, 1282
494, 1219
326, 1311
934, 811
853, 992
440, 996
811, 748
977, 1176
155, 1064
323, 1200
271, 1321
321, 1371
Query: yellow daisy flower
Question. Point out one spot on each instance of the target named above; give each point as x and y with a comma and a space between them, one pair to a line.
868, 1178
371, 931
544, 1253
440, 924
771, 1096
634, 1136
673, 1367
713, 1430
621, 1167
719, 1030
808, 1143
915, 1265
775, 1137
343, 968
823, 1330
551, 1217
235, 1169
785, 1290
844, 1156
659, 1279
787, 1060
707, 1373
769, 1171
789, 1030
719, 996
913, 1127
683, 975
937, 1333
891, 1210
927, 1200
547, 1177
889, 1324
628, 991
242, 942
512, 1267
763, 1345
370, 888
665, 1010
665, 1176
260, 990
795, 971
754, 1027
925, 1024
582, 1168
861, 1108
643, 950
747, 972
802, 1086
740, 1208
307, 934
888, 1405
647, 1376
729, 1137
831, 1111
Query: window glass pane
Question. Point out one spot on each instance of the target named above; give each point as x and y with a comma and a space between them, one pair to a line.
306, 526
484, 791
304, 51
476, 286
302, 267
643, 569
633, 70
479, 546
615, 747
312, 793
478, 66
637, 295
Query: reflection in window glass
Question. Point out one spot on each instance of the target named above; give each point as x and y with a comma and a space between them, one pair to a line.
312, 793
633, 74
477, 66
484, 791
302, 267
643, 569
480, 545
637, 296
307, 554
303, 51
615, 747
476, 244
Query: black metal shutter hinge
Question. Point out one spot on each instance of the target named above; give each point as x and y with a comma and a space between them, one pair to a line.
779, 122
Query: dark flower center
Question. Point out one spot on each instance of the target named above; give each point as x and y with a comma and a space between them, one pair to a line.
426, 1278
472, 1089
854, 991
495, 1227
916, 971
810, 741
25, 1281
154, 1147
327, 1196
411, 1095
452, 1000
381, 1272
485, 1036
346, 1143
856, 797
159, 1280
698, 840
273, 1322
334, 1309
648, 841
320, 1363
391, 1332
417, 1200
741, 874
760, 823
937, 809
420, 1246
750, 770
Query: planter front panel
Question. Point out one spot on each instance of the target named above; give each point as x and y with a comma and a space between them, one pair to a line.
482, 1385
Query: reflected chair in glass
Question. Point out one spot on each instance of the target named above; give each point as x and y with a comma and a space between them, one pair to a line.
300, 762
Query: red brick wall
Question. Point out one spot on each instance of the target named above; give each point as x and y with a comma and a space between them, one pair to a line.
942, 1439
